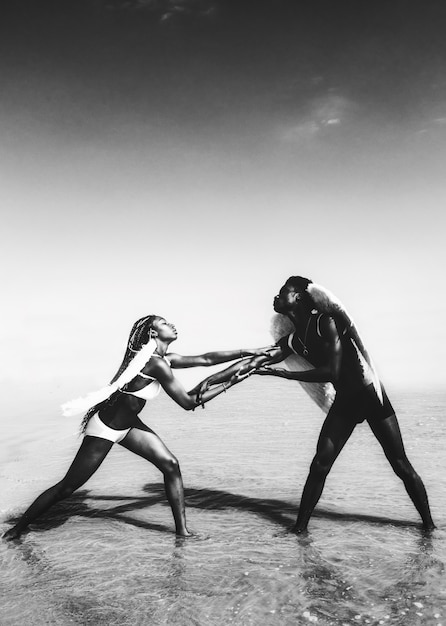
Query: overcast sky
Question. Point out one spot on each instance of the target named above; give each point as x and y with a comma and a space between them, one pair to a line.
185, 158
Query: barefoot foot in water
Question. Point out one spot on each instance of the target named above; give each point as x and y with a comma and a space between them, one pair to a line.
12, 533
298, 530
428, 528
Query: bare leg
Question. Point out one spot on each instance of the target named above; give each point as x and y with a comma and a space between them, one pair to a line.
389, 436
87, 460
334, 434
145, 443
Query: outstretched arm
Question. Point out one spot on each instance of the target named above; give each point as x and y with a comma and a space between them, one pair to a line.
188, 400
328, 372
241, 369
214, 358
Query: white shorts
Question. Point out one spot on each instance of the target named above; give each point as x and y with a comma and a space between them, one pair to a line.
97, 428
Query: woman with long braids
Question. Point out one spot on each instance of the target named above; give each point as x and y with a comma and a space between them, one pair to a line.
112, 415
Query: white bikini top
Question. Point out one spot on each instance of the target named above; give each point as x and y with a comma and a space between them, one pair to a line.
151, 390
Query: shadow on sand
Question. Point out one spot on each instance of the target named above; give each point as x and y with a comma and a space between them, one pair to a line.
280, 512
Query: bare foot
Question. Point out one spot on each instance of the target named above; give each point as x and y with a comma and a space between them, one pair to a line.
193, 535
297, 530
11, 534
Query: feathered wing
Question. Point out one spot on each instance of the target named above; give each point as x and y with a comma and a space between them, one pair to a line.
321, 393
325, 302
83, 404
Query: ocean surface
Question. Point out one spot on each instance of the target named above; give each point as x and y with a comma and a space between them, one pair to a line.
109, 555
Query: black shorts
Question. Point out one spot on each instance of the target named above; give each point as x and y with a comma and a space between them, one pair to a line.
362, 405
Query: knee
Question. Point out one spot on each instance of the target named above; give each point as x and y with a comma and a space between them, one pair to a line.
320, 466
403, 469
64, 490
170, 466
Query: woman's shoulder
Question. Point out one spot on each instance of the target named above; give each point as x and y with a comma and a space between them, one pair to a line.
156, 364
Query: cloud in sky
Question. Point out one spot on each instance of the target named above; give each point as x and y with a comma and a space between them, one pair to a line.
322, 114
276, 124
168, 10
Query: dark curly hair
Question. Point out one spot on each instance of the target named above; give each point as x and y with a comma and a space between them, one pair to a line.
300, 284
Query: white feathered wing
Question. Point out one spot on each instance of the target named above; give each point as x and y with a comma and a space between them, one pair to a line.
325, 302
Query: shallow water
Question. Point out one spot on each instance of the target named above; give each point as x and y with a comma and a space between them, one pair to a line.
108, 555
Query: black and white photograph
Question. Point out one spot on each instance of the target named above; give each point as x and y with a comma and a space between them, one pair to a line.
223, 383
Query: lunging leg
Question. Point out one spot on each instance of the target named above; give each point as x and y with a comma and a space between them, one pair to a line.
388, 433
333, 436
145, 443
87, 460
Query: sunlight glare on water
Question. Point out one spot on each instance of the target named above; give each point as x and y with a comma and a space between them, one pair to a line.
108, 554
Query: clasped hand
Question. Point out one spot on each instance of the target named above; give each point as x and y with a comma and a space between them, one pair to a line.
238, 371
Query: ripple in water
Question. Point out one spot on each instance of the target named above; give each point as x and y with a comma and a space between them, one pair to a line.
108, 555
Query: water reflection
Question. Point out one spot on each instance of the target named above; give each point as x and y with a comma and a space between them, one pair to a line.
412, 595
356, 569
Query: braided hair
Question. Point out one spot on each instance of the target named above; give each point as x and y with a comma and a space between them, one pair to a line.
139, 335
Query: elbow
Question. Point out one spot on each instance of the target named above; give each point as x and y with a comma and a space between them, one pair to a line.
190, 404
